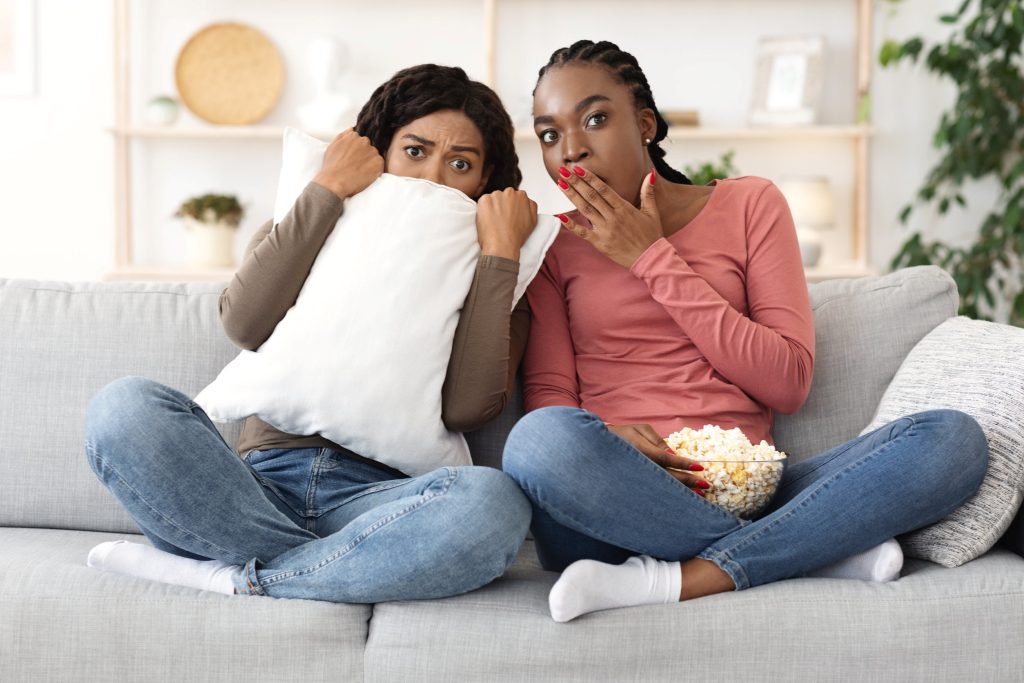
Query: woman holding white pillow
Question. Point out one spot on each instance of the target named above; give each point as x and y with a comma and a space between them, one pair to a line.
664, 305
300, 516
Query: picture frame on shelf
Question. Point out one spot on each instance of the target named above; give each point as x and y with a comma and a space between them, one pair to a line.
787, 81
17, 48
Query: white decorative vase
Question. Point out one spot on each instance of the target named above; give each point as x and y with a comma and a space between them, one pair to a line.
209, 245
330, 110
162, 111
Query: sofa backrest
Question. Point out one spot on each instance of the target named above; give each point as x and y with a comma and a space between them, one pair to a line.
61, 342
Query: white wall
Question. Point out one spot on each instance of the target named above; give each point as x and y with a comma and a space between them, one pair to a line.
56, 171
908, 102
56, 161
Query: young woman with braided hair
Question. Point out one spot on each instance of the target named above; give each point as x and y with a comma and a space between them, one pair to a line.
664, 305
297, 515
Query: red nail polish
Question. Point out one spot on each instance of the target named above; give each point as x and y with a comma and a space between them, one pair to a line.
562, 184
696, 468
703, 484
652, 176
700, 493
563, 171
562, 217
579, 170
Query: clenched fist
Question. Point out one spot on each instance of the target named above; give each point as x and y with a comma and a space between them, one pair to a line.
504, 219
351, 163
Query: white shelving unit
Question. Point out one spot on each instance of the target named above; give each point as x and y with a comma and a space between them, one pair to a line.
125, 132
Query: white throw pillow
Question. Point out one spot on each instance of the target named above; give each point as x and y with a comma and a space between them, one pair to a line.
976, 367
362, 355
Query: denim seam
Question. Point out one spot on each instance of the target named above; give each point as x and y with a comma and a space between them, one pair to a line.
724, 555
446, 484
170, 522
382, 486
311, 488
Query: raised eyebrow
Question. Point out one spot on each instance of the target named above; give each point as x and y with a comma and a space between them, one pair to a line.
587, 101
583, 104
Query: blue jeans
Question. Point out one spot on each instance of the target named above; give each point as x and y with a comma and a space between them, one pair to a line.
305, 523
595, 496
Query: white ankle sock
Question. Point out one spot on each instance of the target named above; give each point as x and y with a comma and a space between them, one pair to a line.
881, 563
146, 562
588, 585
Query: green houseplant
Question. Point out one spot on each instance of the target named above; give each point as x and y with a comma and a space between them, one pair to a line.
704, 172
211, 221
980, 137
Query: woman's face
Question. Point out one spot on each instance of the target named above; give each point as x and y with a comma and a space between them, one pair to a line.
445, 147
583, 115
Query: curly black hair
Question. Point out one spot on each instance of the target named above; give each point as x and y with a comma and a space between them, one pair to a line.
626, 69
422, 90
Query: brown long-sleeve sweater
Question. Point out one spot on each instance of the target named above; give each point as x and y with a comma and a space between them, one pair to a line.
489, 340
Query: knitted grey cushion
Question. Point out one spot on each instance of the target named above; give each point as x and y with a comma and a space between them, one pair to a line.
976, 367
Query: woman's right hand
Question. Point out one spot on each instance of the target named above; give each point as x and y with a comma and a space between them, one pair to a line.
351, 163
504, 219
643, 438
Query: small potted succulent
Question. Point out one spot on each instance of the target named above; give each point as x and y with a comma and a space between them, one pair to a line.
211, 221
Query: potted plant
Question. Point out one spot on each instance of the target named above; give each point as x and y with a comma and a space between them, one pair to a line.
211, 221
979, 138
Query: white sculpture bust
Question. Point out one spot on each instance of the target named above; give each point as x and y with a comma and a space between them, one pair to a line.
327, 59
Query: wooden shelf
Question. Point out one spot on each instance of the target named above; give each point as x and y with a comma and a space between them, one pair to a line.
128, 135
838, 270
169, 274
851, 132
210, 132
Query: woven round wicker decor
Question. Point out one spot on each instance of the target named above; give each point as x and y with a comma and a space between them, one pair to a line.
230, 74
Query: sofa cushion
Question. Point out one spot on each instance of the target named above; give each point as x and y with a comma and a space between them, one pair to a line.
976, 367
863, 328
67, 622
800, 629
60, 343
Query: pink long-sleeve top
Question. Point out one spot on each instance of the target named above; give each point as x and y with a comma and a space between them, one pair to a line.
711, 325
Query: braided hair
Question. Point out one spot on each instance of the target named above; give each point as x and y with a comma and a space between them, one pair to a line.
625, 68
422, 90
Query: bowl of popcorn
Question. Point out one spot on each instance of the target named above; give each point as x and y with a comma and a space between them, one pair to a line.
742, 477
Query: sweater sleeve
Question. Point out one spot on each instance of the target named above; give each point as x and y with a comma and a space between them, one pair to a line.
770, 354
488, 345
276, 264
549, 365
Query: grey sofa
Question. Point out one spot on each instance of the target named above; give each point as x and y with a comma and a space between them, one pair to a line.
62, 621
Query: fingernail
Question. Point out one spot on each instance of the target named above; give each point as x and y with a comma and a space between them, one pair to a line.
579, 170
652, 176
563, 171
703, 484
696, 468
699, 493
562, 184
562, 217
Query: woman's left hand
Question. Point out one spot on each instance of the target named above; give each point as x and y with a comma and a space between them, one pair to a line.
504, 220
619, 230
